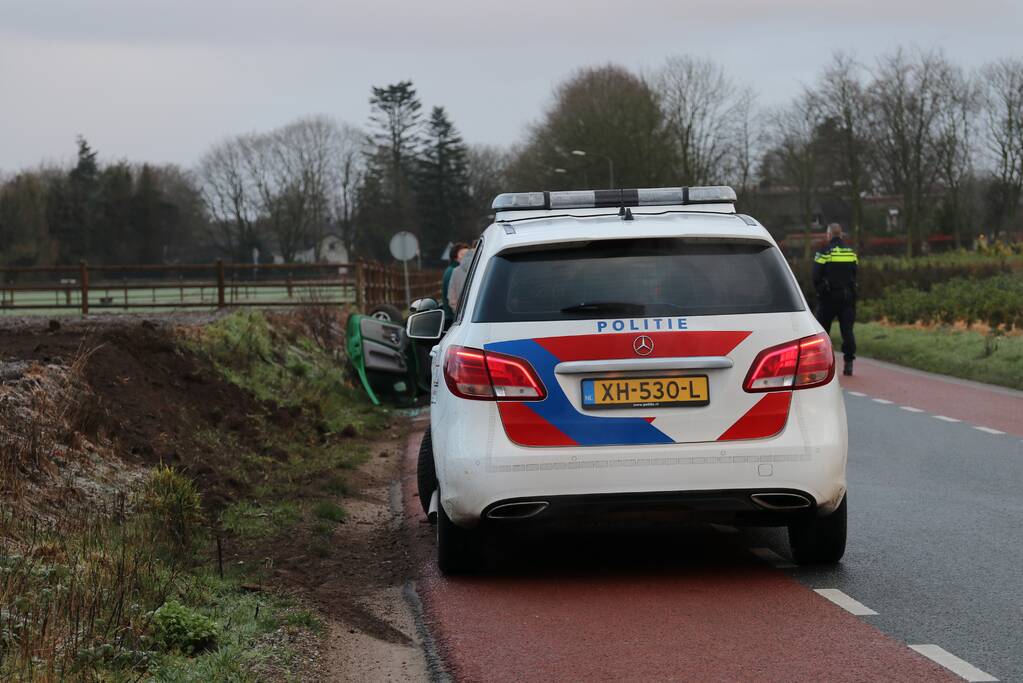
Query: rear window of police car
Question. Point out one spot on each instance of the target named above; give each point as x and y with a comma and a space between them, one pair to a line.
636, 278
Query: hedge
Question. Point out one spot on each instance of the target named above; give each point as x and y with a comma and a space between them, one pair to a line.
881, 274
996, 301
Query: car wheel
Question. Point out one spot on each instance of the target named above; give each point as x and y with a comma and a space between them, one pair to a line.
387, 313
426, 473
459, 551
820, 540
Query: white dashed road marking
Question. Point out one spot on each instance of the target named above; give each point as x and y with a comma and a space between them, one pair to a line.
772, 558
911, 409
845, 602
963, 669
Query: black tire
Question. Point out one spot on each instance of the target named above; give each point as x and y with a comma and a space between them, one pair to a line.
387, 312
426, 472
459, 551
820, 540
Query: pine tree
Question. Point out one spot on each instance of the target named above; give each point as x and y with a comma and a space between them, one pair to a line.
74, 206
113, 231
442, 185
386, 201
395, 121
149, 213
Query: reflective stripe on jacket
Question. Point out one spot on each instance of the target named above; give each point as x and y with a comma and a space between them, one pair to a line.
834, 268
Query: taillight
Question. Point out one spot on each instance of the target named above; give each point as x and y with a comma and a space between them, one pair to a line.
489, 376
801, 364
465, 371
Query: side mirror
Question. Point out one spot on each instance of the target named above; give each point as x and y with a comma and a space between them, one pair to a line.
425, 304
426, 325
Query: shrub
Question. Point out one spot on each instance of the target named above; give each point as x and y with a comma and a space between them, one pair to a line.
177, 628
303, 618
249, 520
996, 302
281, 361
329, 511
878, 274
171, 505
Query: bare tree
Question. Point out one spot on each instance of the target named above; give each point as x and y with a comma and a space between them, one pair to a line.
748, 140
348, 168
705, 114
841, 96
1002, 93
956, 122
293, 183
488, 170
908, 97
229, 196
306, 150
797, 154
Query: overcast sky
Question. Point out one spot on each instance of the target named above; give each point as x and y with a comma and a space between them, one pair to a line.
159, 80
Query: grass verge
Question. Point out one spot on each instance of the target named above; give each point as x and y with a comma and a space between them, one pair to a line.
160, 582
132, 593
994, 359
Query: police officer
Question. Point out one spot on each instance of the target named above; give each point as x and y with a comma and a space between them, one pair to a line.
834, 278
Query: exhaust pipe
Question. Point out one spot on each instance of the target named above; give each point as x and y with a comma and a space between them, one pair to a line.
781, 501
519, 510
431, 514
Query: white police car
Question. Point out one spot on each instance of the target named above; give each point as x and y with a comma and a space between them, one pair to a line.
631, 351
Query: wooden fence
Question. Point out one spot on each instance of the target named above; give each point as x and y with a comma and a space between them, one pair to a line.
86, 288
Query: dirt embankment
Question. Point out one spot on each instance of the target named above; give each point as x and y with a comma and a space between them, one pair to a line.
116, 396
136, 397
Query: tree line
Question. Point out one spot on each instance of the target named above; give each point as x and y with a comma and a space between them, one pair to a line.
910, 131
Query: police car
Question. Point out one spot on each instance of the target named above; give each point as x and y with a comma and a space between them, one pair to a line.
631, 353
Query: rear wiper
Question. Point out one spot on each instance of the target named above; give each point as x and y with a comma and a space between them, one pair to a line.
605, 307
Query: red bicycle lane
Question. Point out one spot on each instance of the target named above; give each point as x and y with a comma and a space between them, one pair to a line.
977, 404
631, 619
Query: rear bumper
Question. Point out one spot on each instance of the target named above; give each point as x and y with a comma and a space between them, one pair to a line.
478, 467
745, 507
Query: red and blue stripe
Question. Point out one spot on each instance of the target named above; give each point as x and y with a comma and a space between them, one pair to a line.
555, 421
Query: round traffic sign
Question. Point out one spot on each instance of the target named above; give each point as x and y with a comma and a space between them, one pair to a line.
404, 246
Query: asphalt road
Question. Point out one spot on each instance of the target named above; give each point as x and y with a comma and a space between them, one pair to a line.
936, 519
935, 530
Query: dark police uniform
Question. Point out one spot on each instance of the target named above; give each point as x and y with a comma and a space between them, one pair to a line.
834, 278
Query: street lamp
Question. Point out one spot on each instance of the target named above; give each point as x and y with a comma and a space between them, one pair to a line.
610, 165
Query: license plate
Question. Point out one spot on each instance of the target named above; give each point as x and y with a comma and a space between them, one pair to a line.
645, 392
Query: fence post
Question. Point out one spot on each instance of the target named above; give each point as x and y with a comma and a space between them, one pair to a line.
360, 285
220, 283
83, 275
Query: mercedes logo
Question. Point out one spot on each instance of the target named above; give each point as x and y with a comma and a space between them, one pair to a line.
643, 345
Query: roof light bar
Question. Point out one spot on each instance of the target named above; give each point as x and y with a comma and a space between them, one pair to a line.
595, 199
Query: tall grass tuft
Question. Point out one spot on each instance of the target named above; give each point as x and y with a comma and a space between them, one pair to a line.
75, 595
171, 508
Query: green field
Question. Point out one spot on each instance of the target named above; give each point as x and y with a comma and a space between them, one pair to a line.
960, 353
112, 298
